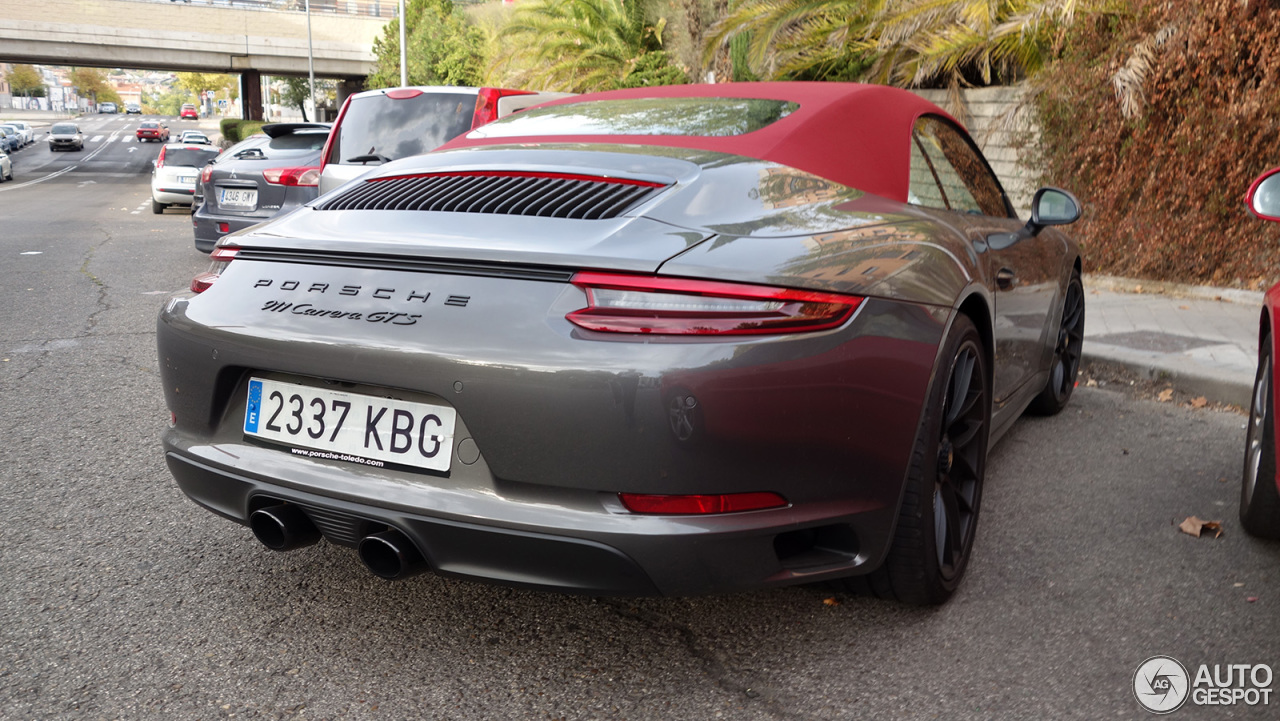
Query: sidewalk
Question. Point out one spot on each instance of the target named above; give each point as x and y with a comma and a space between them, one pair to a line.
1202, 341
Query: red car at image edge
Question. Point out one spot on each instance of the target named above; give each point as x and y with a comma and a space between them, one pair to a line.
1260, 486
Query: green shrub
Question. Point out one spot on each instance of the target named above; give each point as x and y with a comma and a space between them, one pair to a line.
234, 129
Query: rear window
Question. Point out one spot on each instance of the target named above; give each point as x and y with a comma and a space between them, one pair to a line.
296, 144
377, 125
64, 129
149, 125
703, 117
189, 157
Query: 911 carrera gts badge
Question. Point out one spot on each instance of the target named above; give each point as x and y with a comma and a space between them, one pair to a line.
307, 309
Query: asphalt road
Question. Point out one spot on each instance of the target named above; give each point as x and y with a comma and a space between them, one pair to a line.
121, 599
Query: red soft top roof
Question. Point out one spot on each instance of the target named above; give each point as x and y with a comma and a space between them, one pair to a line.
857, 135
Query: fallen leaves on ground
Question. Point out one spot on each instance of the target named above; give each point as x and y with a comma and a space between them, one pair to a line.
1197, 527
1165, 396
830, 601
1199, 402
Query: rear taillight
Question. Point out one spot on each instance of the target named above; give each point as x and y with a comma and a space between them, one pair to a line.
701, 504
160, 160
680, 306
306, 176
487, 104
221, 256
206, 173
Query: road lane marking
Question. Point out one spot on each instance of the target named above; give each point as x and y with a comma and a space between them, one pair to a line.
95, 138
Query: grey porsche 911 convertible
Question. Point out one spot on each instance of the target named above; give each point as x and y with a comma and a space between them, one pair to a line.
664, 341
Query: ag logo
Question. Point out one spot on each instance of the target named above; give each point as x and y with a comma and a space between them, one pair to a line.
1161, 684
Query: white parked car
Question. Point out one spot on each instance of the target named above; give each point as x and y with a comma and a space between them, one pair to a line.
194, 136
26, 129
6, 168
173, 182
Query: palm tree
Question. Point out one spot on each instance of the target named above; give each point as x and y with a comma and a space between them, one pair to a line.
578, 45
908, 43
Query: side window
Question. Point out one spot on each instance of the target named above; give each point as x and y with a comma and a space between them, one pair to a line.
923, 187
966, 181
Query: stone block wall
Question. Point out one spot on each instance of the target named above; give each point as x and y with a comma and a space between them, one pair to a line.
1002, 127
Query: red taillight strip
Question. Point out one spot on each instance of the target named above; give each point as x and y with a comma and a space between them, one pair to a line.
798, 310
701, 504
224, 254
523, 174
221, 254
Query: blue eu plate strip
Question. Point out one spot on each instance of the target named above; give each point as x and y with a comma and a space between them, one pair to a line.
255, 407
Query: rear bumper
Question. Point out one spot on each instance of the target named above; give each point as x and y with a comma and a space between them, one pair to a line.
173, 196
205, 225
591, 552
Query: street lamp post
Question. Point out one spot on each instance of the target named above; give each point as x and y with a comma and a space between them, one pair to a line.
404, 71
311, 65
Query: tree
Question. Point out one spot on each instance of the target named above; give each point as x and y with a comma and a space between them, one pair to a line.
580, 45
92, 83
908, 43
297, 91
195, 83
25, 80
441, 48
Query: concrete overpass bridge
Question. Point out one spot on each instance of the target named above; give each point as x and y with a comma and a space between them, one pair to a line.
246, 37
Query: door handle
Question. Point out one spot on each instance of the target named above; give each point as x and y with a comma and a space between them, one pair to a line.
1006, 278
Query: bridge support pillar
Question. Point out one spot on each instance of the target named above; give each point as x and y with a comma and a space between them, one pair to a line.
251, 95
347, 87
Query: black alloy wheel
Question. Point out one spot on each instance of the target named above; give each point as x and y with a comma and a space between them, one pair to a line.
961, 456
938, 519
1259, 498
1067, 349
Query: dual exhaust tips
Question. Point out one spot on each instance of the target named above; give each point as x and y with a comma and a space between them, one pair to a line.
388, 554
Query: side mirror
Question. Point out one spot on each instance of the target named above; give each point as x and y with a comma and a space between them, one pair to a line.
1264, 196
1053, 206
1050, 206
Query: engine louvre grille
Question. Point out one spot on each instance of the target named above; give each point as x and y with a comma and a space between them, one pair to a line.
548, 195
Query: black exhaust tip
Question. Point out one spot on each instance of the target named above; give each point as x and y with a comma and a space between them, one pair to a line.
391, 556
283, 527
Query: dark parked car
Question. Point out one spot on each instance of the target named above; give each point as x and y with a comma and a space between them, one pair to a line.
675, 340
253, 184
1260, 487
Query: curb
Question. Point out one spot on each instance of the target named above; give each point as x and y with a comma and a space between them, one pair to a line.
1175, 290
1232, 387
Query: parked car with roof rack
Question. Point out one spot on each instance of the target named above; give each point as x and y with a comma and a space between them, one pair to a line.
378, 126
248, 185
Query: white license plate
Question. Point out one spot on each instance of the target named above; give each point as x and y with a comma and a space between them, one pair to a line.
332, 425
187, 179
238, 198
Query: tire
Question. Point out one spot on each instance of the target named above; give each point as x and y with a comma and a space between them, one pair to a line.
1067, 348
157, 207
1259, 499
939, 514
